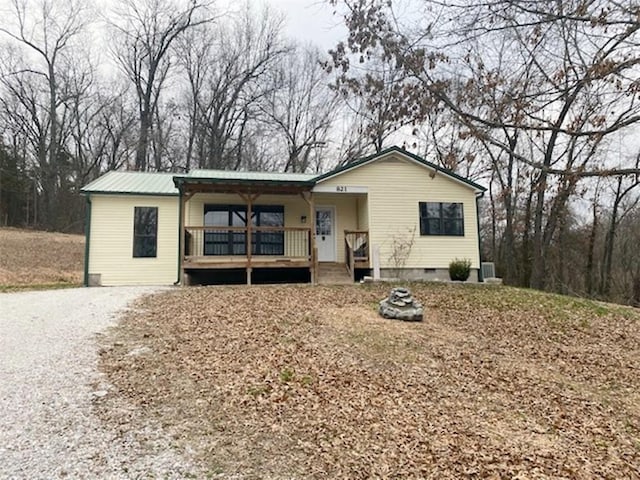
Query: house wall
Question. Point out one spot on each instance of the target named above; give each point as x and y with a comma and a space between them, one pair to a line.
395, 187
111, 242
363, 212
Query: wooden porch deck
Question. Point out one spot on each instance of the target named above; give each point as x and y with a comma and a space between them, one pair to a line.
242, 261
207, 248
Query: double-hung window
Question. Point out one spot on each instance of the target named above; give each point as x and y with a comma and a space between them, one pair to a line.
441, 218
145, 232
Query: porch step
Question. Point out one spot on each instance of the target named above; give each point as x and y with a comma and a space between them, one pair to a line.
333, 274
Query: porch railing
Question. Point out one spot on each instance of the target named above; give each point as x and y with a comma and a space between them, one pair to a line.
291, 242
356, 243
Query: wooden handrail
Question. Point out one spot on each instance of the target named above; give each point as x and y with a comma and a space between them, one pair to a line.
226, 229
348, 242
280, 241
243, 229
355, 241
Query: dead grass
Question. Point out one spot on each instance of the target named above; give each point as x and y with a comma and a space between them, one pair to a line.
308, 382
35, 258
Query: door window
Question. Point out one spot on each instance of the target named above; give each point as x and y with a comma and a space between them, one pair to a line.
323, 222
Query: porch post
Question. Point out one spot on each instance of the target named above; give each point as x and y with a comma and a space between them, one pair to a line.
313, 253
182, 239
249, 199
249, 235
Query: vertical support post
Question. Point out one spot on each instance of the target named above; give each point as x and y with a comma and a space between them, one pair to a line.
249, 235
182, 236
249, 199
313, 250
480, 273
87, 242
376, 262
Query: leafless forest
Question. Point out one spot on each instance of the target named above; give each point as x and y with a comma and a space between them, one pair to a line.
537, 99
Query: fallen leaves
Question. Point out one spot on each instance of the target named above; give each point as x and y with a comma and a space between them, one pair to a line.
299, 381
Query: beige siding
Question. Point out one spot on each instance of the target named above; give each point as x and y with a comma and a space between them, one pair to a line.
363, 212
111, 244
395, 187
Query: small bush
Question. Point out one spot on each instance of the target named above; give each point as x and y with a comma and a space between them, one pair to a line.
459, 270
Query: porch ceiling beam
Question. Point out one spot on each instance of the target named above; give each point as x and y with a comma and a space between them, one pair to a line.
260, 189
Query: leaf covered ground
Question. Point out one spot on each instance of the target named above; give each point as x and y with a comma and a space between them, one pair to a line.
308, 382
31, 257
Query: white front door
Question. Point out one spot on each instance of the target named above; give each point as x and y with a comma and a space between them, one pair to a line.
325, 234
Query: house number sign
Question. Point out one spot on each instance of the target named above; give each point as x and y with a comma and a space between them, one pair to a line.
340, 189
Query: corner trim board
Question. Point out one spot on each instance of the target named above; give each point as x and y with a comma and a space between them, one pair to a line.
87, 239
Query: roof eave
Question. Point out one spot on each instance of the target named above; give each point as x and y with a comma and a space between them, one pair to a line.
111, 192
179, 181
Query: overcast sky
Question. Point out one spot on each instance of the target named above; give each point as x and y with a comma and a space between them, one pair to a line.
308, 21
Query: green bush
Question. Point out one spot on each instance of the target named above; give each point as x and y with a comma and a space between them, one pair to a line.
460, 269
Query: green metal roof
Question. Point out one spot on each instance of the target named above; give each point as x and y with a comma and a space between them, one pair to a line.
134, 183
255, 176
146, 183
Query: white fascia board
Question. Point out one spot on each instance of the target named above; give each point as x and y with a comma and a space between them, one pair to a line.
339, 189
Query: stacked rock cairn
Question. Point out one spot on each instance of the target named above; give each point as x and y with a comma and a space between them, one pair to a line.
400, 305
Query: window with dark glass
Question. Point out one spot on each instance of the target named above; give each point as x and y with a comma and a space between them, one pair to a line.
440, 218
234, 242
145, 231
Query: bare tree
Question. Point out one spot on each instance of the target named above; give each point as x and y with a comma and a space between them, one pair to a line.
146, 30
569, 83
300, 108
44, 41
227, 66
623, 187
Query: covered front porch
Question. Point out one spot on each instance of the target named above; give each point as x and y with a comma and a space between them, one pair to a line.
264, 226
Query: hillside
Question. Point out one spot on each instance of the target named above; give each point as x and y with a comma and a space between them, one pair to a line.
30, 257
309, 382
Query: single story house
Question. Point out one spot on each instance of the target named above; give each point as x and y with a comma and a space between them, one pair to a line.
390, 214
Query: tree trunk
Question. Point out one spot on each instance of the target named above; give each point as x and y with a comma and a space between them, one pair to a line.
538, 260
50, 173
607, 261
589, 271
143, 140
526, 241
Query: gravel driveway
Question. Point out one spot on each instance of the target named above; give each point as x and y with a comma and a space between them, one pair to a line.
48, 380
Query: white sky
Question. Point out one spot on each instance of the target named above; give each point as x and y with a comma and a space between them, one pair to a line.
311, 21
308, 21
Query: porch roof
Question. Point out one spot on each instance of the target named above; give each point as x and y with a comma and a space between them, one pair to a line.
249, 182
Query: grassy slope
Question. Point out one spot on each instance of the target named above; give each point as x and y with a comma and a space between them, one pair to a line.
34, 258
305, 382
